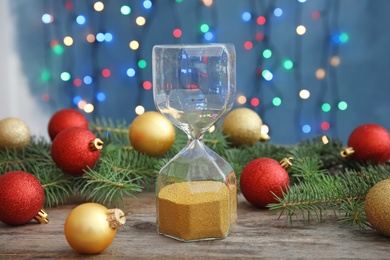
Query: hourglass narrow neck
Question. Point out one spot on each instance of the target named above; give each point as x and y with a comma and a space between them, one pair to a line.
194, 135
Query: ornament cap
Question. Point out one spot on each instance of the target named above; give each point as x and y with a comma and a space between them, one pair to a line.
325, 139
116, 218
264, 137
96, 144
41, 217
286, 162
346, 152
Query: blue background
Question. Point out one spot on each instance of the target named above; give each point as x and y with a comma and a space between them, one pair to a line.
361, 79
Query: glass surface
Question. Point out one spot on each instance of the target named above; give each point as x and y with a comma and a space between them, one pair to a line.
193, 86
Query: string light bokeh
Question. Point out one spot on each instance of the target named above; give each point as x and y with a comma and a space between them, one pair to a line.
97, 57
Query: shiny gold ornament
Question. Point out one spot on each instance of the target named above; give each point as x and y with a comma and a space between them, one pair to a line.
14, 134
90, 227
377, 207
151, 133
243, 126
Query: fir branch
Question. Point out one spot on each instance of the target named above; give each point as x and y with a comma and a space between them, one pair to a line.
58, 187
111, 132
323, 181
137, 166
312, 199
354, 214
216, 141
107, 189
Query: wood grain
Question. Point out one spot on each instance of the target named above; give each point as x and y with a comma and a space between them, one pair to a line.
258, 234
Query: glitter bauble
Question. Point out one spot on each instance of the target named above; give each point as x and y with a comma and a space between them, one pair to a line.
75, 150
66, 118
370, 142
262, 177
151, 133
21, 197
90, 227
377, 207
14, 134
242, 126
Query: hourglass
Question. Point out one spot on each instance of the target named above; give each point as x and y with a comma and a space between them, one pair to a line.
193, 86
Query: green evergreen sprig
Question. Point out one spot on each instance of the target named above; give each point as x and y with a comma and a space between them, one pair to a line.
322, 181
319, 192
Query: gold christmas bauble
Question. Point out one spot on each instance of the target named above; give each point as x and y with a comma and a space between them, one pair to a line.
377, 207
14, 134
151, 133
90, 227
242, 126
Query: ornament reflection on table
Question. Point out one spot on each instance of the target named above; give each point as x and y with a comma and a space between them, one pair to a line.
194, 86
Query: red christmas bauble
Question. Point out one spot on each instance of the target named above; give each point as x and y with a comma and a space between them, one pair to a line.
21, 197
370, 142
76, 149
259, 178
66, 118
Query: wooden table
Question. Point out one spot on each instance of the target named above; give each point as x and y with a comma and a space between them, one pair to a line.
258, 234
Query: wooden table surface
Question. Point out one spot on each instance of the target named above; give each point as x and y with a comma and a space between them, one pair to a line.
258, 234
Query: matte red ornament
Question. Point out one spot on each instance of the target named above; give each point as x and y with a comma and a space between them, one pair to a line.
76, 149
21, 197
260, 177
369, 142
66, 118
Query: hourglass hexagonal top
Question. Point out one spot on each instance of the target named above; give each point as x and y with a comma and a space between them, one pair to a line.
194, 85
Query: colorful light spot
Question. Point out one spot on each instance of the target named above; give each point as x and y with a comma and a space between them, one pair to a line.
267, 53
248, 45
342, 105
139, 110
177, 33
241, 99
306, 129
47, 18
77, 82
130, 72
325, 125
140, 21
276, 101
288, 64
87, 80
100, 96
204, 28
142, 64
106, 73
301, 30
326, 107
255, 102
65, 76
304, 94
98, 6
147, 85
320, 73
80, 20
267, 75
261, 20
246, 16
125, 10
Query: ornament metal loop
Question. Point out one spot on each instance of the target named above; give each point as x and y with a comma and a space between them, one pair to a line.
286, 162
346, 152
325, 139
96, 144
116, 218
41, 217
264, 137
